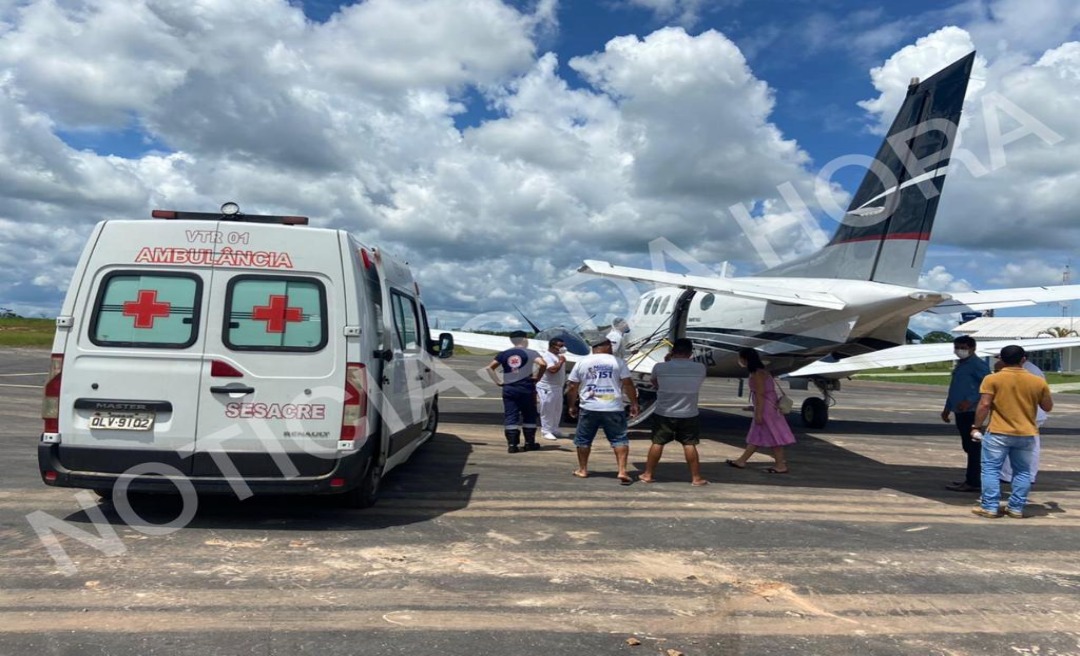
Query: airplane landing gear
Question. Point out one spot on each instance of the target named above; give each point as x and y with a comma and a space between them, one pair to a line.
815, 411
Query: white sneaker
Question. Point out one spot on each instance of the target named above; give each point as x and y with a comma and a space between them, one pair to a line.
549, 436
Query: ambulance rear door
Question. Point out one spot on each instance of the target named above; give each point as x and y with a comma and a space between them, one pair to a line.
274, 367
132, 367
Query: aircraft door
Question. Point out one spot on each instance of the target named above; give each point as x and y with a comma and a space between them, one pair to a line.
679, 314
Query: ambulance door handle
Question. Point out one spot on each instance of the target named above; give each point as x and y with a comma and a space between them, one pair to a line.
225, 389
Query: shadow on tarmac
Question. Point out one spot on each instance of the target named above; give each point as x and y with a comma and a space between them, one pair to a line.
819, 463
435, 472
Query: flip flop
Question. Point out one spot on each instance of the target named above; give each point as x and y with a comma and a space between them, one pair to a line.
646, 480
625, 481
774, 470
702, 483
731, 463
579, 474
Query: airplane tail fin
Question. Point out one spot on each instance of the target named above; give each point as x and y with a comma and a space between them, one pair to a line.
885, 232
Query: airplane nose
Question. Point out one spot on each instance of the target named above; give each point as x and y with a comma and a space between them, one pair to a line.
575, 344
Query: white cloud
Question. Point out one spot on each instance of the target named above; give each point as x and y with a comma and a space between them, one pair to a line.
358, 122
939, 279
353, 122
927, 56
682, 12
1028, 273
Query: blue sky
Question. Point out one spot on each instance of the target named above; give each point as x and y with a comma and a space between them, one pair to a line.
500, 143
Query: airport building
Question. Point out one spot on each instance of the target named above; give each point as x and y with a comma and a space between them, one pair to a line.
1020, 328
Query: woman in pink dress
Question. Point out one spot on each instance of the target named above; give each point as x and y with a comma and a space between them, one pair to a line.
770, 427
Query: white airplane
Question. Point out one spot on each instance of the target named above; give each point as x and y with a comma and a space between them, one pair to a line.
844, 308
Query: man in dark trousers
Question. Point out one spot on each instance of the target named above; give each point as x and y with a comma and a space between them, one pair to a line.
519, 372
963, 398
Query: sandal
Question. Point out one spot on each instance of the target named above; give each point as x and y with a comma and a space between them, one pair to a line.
774, 470
731, 463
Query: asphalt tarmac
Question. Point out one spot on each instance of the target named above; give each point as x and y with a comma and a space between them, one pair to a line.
474, 551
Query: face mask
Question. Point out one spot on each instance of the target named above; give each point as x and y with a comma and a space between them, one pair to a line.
962, 353
562, 350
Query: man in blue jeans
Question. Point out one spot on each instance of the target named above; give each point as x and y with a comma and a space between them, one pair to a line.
1010, 399
600, 386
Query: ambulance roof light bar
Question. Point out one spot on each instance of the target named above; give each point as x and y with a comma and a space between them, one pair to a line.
229, 212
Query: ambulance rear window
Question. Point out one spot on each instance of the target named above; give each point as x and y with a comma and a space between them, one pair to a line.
275, 313
159, 310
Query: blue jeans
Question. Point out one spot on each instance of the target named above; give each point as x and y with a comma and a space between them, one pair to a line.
1019, 451
590, 421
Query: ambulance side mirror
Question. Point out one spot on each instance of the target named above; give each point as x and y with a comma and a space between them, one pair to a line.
446, 346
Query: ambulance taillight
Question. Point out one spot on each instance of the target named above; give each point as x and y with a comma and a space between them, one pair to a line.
50, 405
354, 417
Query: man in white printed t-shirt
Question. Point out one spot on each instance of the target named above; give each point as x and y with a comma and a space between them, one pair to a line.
549, 389
600, 385
675, 415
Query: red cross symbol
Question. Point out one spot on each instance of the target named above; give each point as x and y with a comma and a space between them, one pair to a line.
277, 313
146, 308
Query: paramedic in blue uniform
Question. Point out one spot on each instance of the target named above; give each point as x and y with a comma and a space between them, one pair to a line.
519, 366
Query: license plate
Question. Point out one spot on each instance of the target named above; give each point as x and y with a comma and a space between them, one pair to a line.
134, 421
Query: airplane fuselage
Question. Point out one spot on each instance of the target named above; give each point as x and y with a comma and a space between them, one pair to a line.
789, 336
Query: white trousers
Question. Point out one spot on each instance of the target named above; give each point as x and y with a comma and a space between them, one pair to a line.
1006, 468
551, 404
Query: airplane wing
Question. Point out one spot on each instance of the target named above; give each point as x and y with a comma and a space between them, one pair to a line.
989, 299
500, 343
899, 356
746, 288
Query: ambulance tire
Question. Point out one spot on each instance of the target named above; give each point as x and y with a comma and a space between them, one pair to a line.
432, 425
366, 492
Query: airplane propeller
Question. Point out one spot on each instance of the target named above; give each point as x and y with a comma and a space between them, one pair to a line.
575, 341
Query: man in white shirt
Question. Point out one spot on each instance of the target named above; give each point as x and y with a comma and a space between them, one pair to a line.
549, 389
600, 386
675, 415
617, 335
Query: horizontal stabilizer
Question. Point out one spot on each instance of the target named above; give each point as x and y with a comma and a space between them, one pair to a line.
990, 299
742, 287
909, 354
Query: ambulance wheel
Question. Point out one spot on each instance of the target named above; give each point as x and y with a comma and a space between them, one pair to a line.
432, 425
815, 414
366, 493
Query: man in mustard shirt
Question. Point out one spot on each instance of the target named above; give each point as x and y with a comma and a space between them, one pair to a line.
1010, 399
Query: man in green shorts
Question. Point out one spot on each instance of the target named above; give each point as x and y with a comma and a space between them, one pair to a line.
678, 383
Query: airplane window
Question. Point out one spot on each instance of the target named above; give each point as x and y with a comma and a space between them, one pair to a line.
664, 307
650, 307
707, 301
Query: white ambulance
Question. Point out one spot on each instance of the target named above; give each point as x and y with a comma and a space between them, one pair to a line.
246, 354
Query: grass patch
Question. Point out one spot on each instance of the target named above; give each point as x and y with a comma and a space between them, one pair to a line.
463, 350
918, 380
1051, 377
27, 332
